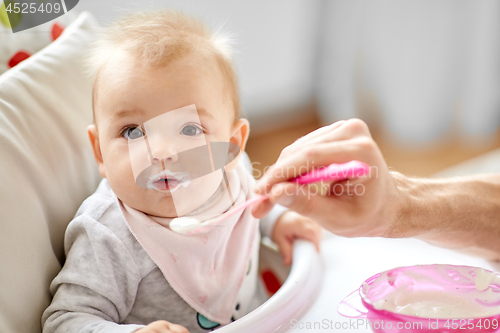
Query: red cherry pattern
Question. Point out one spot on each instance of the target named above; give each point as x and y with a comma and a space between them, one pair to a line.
17, 58
21, 55
56, 31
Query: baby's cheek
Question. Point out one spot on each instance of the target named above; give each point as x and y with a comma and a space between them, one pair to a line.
134, 158
205, 186
120, 176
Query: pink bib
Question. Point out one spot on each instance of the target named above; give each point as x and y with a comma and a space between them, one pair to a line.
206, 270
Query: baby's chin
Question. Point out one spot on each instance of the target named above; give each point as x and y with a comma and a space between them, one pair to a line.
164, 207
180, 203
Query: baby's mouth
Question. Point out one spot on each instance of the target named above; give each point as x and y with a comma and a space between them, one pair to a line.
168, 181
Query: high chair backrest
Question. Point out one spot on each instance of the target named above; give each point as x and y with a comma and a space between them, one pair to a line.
46, 170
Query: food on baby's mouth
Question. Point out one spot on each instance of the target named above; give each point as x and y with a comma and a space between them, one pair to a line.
167, 180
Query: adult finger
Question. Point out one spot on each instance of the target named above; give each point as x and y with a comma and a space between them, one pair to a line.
341, 130
261, 209
312, 136
320, 131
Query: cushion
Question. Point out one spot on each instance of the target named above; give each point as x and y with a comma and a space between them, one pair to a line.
46, 169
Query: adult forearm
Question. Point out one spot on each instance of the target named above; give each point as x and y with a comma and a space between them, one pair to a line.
462, 213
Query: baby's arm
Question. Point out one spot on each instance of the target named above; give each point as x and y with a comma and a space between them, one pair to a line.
96, 288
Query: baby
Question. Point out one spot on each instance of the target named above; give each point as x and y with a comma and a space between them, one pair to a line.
166, 113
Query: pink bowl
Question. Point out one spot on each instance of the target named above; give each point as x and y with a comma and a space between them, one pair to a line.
457, 280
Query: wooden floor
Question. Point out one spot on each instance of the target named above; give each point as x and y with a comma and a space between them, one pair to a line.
265, 148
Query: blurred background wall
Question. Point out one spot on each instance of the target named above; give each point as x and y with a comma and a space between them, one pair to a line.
424, 74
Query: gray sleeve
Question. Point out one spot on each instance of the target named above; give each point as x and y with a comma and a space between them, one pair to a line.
267, 223
96, 288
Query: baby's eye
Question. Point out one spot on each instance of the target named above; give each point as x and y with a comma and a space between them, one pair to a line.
191, 130
132, 133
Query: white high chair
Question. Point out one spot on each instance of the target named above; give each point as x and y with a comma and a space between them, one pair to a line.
47, 169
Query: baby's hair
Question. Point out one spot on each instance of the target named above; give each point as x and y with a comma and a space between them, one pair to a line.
160, 37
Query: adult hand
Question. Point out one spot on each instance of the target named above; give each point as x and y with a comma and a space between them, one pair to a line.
460, 213
358, 207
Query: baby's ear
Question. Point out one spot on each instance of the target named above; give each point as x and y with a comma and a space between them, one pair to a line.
239, 136
96, 147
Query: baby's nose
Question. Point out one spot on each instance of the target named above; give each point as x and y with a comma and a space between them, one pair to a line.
164, 152
170, 159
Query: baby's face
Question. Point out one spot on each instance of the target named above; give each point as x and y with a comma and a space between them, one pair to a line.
173, 109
